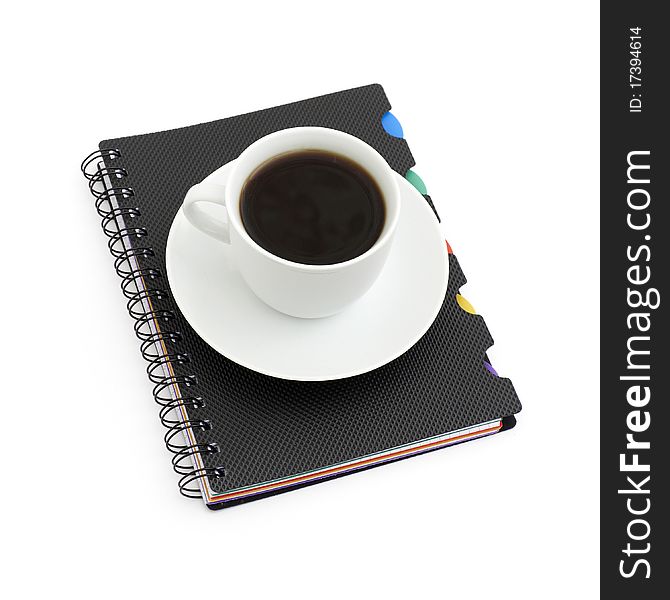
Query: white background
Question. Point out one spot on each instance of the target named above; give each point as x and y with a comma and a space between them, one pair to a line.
499, 104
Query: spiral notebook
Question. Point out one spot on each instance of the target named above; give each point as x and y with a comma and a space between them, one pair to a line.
236, 435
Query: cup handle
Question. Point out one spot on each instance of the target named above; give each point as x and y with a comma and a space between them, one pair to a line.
215, 194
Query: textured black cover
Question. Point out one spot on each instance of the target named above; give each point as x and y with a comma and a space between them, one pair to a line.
268, 428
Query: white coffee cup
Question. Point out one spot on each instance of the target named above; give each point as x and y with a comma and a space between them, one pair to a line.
296, 289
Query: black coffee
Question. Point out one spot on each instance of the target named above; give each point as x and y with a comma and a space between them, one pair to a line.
312, 207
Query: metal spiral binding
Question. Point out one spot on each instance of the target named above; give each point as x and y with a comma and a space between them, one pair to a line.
174, 392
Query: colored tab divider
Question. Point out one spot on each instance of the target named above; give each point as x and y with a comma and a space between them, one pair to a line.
465, 304
490, 369
391, 125
416, 181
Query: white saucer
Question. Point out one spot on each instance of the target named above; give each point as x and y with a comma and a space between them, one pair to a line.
382, 325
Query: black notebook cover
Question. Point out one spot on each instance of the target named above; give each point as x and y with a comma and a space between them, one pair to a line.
236, 429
